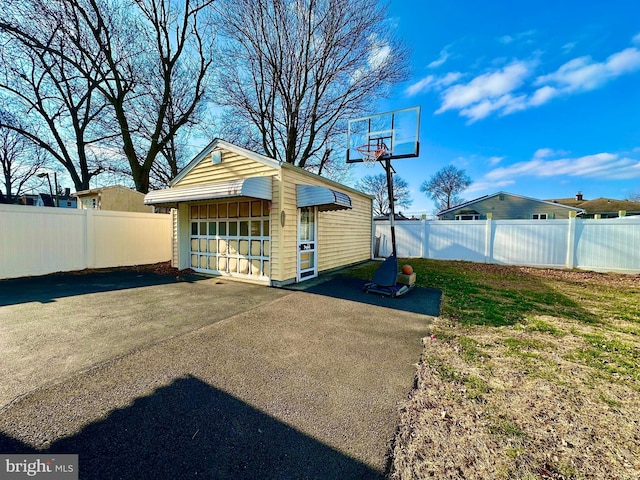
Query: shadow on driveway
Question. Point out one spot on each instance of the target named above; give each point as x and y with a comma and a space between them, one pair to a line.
48, 288
425, 301
190, 429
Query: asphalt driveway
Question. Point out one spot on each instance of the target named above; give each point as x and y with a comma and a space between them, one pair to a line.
158, 377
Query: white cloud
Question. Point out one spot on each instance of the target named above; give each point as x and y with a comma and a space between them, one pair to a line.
636, 39
432, 82
544, 153
444, 55
509, 89
567, 47
420, 86
486, 87
508, 39
606, 166
495, 160
583, 74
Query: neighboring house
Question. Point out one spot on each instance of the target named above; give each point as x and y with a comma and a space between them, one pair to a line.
601, 207
64, 201
508, 206
115, 197
28, 199
248, 216
399, 217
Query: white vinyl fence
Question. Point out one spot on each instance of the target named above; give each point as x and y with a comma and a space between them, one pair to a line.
609, 245
42, 240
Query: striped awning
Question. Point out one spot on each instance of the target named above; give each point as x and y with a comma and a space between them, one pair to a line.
322, 197
254, 187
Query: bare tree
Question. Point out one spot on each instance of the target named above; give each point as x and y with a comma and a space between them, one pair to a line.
293, 71
20, 162
634, 197
148, 60
41, 84
445, 186
376, 185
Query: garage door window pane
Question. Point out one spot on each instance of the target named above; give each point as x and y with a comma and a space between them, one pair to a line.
244, 209
222, 229
212, 228
244, 247
213, 263
233, 265
244, 266
222, 210
222, 264
265, 248
194, 212
194, 261
255, 229
213, 246
256, 209
244, 229
222, 246
203, 228
233, 210
213, 211
233, 229
203, 211
255, 248
265, 228
233, 247
194, 228
194, 244
255, 267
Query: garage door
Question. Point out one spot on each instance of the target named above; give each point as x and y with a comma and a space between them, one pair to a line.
231, 238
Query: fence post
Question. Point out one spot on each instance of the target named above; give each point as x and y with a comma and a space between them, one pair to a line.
89, 238
423, 226
571, 240
487, 239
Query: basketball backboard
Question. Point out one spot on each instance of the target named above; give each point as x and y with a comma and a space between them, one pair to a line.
398, 130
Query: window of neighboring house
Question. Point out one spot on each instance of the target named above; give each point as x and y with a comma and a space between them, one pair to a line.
539, 216
468, 217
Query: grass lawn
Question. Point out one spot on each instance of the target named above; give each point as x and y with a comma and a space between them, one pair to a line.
528, 374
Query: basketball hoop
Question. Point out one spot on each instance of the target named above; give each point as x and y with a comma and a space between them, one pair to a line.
371, 153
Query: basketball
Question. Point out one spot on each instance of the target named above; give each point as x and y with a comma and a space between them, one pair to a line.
407, 269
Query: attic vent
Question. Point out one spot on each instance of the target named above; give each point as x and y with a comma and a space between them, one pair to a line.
501, 198
216, 157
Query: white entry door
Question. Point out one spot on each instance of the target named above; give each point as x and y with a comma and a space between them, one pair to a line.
307, 234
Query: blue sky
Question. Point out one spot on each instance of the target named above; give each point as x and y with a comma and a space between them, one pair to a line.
540, 99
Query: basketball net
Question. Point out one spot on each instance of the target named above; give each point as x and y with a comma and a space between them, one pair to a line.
371, 153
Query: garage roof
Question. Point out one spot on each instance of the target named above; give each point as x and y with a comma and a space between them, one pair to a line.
322, 197
255, 187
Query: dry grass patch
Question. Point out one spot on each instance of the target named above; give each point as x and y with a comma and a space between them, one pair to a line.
532, 374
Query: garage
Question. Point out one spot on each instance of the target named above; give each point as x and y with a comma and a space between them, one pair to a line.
247, 216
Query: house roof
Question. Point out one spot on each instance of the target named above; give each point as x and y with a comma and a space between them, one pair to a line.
93, 191
485, 197
600, 205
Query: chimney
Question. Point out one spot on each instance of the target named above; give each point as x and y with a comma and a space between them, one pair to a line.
579, 196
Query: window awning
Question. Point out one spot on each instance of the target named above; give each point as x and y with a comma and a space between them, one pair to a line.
322, 197
255, 187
